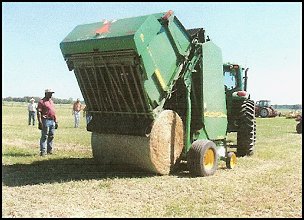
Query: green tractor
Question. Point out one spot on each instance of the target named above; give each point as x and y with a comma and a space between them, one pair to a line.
240, 108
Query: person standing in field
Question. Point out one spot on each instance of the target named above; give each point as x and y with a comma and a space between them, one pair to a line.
76, 113
32, 108
47, 122
87, 114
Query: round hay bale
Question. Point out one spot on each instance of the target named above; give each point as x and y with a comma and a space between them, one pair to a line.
157, 153
166, 141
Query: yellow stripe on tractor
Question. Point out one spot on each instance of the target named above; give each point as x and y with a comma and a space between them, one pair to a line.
160, 79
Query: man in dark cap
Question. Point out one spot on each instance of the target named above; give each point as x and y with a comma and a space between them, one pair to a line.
47, 122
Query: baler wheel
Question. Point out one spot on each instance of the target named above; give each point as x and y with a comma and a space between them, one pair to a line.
231, 160
246, 134
202, 158
264, 113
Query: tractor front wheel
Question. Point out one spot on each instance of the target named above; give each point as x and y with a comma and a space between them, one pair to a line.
202, 158
231, 160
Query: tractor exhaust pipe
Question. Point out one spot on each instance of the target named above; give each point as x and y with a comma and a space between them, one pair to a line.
245, 79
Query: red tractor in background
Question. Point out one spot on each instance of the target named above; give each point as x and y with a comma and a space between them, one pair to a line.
264, 109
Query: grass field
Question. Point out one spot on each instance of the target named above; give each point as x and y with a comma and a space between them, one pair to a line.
70, 184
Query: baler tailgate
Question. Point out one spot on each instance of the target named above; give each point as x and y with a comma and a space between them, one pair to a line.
111, 82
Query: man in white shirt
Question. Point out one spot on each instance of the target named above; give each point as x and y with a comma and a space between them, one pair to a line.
32, 108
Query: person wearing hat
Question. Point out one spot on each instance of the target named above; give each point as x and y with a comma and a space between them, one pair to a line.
32, 106
47, 122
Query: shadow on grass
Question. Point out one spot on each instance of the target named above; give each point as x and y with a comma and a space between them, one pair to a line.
293, 132
64, 170
182, 171
12, 154
74, 169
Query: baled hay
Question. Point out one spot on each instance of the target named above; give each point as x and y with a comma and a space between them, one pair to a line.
157, 153
166, 141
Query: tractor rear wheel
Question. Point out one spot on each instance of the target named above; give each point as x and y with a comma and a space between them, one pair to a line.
264, 113
202, 158
246, 134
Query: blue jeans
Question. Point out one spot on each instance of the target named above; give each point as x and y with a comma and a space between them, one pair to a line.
31, 117
77, 119
88, 118
47, 135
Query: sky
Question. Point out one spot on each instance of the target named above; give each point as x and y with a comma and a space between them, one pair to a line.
265, 37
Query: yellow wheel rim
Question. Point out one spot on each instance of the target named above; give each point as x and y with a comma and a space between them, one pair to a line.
209, 159
233, 160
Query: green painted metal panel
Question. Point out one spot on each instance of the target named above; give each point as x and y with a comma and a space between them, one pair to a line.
214, 99
158, 55
117, 36
146, 32
159, 48
144, 38
180, 35
90, 46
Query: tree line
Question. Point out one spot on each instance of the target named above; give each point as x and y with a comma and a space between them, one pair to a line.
28, 98
294, 107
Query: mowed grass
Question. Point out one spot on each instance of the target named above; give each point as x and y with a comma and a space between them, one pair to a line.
70, 184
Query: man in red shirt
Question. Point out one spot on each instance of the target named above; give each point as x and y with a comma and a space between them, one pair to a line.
47, 122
